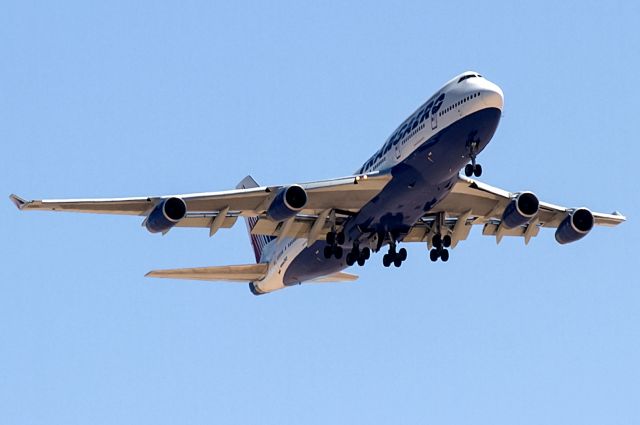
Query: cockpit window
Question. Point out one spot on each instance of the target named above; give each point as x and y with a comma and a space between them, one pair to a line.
466, 77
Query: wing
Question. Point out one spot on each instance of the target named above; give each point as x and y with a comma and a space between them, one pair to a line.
345, 195
474, 203
239, 273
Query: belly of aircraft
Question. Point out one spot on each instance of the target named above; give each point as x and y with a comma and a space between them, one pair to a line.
419, 182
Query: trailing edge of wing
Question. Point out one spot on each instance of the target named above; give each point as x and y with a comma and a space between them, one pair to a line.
239, 273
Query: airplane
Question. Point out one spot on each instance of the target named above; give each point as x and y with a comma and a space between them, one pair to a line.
410, 190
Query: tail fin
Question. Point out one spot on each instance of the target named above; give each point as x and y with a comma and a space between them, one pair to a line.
258, 242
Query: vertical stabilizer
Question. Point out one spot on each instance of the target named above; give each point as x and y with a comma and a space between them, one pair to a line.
258, 242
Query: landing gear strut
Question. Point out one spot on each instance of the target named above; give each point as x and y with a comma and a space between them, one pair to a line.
440, 245
473, 168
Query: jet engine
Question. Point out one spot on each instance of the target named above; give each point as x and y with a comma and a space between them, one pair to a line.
165, 215
578, 223
520, 210
287, 203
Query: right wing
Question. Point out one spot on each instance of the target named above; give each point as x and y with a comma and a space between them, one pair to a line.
345, 195
240, 273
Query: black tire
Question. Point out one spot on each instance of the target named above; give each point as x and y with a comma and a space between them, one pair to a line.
365, 253
437, 240
397, 262
446, 241
433, 255
340, 238
402, 254
477, 170
337, 252
386, 261
444, 255
350, 259
328, 251
331, 238
468, 170
361, 261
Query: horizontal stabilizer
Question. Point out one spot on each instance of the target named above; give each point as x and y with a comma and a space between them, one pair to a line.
336, 277
239, 273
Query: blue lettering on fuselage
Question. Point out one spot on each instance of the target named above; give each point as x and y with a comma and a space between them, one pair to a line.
425, 111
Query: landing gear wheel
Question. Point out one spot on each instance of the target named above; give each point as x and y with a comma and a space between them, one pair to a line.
365, 253
350, 259
446, 241
340, 238
397, 262
402, 254
433, 255
437, 240
468, 170
337, 252
328, 251
361, 261
477, 170
444, 255
331, 238
386, 260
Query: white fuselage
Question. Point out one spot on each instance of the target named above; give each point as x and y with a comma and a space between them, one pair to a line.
463, 95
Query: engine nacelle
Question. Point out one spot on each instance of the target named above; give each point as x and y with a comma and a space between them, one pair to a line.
575, 226
287, 203
520, 210
165, 215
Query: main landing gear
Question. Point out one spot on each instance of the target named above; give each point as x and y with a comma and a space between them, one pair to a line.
394, 257
473, 168
358, 255
355, 255
333, 248
440, 245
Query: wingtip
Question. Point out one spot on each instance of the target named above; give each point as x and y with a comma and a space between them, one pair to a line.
17, 201
620, 216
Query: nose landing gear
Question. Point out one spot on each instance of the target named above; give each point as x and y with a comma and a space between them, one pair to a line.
473, 168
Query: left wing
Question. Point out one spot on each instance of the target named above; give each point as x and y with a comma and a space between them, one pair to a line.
474, 203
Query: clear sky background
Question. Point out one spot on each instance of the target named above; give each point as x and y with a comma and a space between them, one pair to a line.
146, 98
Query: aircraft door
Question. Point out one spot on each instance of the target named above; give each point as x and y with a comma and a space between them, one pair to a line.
434, 111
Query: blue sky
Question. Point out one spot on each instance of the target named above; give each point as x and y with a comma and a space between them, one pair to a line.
142, 98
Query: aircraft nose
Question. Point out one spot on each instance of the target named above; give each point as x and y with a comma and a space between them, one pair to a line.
492, 96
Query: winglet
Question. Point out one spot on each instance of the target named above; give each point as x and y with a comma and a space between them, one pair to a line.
18, 201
